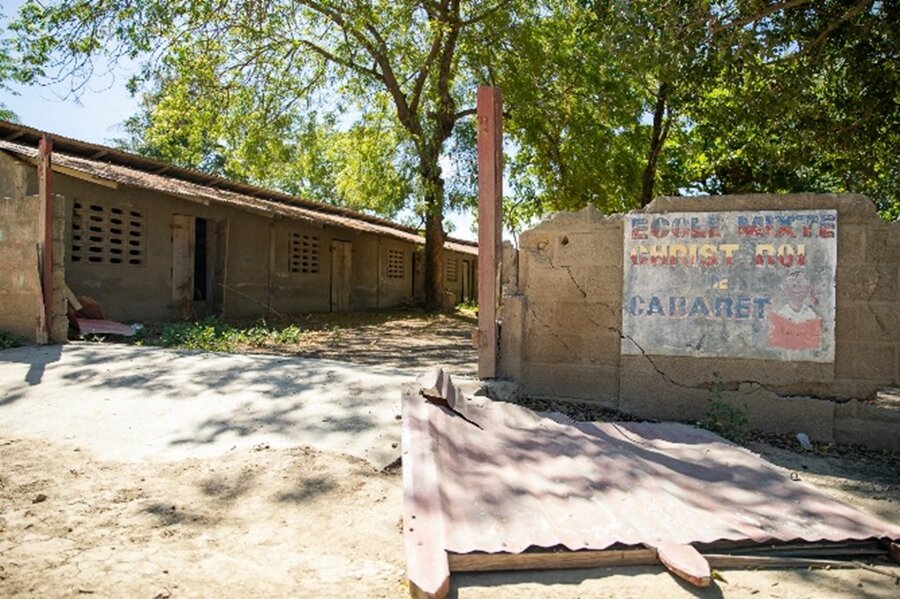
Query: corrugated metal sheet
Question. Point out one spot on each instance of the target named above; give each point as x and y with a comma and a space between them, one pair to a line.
510, 479
220, 191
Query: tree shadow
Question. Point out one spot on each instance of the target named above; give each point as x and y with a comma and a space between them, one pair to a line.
307, 489
228, 489
170, 515
569, 577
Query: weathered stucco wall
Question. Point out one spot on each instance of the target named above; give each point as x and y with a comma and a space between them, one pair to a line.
20, 236
562, 314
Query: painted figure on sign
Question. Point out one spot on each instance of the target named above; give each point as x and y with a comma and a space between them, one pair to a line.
796, 325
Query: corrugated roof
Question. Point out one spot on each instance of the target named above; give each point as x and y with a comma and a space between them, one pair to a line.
509, 479
125, 168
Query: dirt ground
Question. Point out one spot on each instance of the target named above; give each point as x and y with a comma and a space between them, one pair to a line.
266, 522
396, 339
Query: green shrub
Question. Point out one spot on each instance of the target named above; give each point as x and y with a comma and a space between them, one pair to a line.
211, 334
8, 340
721, 417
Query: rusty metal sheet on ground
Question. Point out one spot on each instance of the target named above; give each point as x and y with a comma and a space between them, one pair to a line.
509, 479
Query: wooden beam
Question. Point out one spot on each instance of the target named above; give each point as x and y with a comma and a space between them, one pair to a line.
490, 216
685, 562
551, 560
45, 192
76, 174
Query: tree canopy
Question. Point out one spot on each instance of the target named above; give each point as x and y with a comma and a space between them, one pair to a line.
367, 102
240, 85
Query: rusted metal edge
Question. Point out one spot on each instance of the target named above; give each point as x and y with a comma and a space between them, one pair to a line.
424, 534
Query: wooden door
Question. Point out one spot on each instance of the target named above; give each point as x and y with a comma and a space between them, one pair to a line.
341, 275
183, 237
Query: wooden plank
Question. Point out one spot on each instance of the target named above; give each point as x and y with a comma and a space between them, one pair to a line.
341, 275
424, 535
550, 560
76, 174
71, 298
759, 561
490, 215
685, 562
183, 263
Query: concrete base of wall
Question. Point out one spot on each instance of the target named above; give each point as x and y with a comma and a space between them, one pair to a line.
871, 424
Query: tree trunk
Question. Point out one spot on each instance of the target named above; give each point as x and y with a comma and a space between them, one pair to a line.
433, 187
435, 295
657, 138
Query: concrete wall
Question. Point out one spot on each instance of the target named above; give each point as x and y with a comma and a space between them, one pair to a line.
561, 320
20, 235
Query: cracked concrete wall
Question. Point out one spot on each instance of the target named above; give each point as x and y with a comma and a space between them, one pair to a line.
561, 327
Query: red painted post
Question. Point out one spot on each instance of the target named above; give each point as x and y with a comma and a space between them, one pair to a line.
490, 214
45, 191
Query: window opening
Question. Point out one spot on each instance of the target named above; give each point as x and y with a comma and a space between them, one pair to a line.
304, 254
395, 264
106, 235
452, 268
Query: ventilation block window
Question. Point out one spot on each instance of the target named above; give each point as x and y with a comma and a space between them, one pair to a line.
452, 268
395, 264
107, 235
304, 254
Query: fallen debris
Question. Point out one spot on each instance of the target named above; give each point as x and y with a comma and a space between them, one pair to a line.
524, 491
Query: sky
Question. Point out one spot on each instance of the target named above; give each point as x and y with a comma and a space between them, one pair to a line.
97, 112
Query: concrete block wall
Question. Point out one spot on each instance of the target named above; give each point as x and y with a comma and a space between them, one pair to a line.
20, 236
561, 320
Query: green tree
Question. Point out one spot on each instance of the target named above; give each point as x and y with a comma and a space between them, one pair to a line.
614, 102
258, 62
7, 73
808, 102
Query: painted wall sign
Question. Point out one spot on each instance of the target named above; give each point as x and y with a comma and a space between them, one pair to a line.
731, 284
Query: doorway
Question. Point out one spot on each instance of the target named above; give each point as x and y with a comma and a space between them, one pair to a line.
192, 265
468, 282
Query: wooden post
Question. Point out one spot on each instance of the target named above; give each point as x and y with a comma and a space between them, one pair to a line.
45, 193
490, 215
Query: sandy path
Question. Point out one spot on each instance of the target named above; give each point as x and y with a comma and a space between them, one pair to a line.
266, 523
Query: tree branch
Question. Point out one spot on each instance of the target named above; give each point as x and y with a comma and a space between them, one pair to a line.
765, 12
854, 10
341, 61
464, 113
486, 13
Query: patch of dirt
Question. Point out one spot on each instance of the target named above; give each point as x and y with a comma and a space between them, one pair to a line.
272, 523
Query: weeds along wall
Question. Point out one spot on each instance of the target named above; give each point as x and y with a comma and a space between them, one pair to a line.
566, 326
